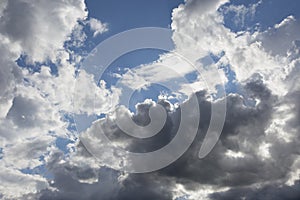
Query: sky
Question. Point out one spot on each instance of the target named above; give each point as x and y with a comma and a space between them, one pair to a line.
174, 99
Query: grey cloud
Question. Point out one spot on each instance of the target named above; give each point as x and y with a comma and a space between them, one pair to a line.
10, 76
108, 186
284, 33
23, 112
244, 129
39, 38
274, 192
242, 124
18, 27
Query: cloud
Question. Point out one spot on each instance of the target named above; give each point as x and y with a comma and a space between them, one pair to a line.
15, 184
10, 76
244, 131
90, 98
108, 183
267, 192
258, 145
97, 26
40, 28
30, 116
283, 33
241, 13
257, 155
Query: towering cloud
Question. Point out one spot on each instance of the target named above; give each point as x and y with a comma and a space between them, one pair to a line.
256, 156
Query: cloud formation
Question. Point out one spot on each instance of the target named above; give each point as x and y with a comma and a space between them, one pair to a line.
256, 157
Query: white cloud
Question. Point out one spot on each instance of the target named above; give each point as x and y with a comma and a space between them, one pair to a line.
97, 26
245, 53
31, 116
40, 28
91, 99
14, 184
283, 33
26, 154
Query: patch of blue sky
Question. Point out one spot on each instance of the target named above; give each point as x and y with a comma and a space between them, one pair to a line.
208, 60
71, 122
217, 57
184, 197
192, 76
232, 86
268, 13
1, 153
124, 15
40, 170
62, 144
155, 90
128, 61
36, 67
84, 121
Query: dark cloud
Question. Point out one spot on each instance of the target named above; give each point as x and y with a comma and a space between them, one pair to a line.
141, 118
243, 124
295, 103
69, 180
274, 192
146, 186
243, 131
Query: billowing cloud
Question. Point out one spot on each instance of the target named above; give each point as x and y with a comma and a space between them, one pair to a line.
97, 26
256, 157
40, 28
284, 33
241, 158
31, 101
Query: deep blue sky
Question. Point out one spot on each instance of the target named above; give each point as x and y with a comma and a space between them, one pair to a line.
124, 15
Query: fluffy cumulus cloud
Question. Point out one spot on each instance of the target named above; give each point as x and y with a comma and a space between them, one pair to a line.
97, 26
53, 21
35, 99
256, 156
